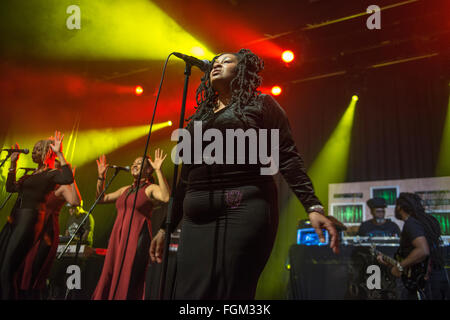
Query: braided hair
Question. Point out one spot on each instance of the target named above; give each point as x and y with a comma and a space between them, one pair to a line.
243, 88
411, 203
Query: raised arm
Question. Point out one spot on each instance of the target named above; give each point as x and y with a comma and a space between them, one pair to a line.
102, 167
160, 191
65, 175
70, 193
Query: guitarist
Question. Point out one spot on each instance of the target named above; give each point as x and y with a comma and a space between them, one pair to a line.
419, 242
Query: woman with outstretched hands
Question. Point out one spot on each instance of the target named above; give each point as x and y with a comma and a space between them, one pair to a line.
127, 258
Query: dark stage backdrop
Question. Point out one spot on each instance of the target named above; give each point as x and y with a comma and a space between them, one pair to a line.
398, 122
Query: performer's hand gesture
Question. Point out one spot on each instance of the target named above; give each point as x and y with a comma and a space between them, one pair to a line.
159, 159
57, 146
102, 166
319, 222
15, 155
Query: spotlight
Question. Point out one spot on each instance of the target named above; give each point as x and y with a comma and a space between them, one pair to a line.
287, 56
169, 123
138, 90
276, 90
198, 51
355, 98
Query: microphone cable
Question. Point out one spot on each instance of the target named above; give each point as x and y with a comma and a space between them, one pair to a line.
140, 175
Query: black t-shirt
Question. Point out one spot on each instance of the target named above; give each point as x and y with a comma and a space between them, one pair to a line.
412, 229
370, 229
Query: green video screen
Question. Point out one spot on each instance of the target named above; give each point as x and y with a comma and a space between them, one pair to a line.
389, 194
444, 222
348, 213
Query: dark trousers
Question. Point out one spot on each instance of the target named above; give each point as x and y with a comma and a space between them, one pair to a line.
15, 247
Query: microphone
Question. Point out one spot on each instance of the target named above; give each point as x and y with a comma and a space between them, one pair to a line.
201, 64
127, 168
26, 151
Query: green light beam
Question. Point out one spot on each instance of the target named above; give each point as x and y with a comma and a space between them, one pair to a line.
330, 166
443, 165
132, 29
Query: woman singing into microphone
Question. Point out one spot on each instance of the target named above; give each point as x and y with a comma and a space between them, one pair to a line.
230, 211
39, 260
27, 219
127, 257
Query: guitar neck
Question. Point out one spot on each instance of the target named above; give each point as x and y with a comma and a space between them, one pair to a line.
412, 277
387, 259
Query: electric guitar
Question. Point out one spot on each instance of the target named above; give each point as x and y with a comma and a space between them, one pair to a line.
413, 278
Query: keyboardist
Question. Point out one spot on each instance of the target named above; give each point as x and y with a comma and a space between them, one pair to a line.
378, 226
77, 215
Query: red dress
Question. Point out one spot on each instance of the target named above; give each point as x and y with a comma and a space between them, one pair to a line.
110, 278
46, 234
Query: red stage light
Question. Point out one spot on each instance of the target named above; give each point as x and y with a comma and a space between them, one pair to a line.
276, 90
139, 90
287, 56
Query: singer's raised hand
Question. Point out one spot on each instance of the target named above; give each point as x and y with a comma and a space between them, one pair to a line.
159, 159
57, 145
15, 155
102, 166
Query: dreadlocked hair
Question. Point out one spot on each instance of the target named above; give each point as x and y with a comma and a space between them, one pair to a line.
243, 88
411, 203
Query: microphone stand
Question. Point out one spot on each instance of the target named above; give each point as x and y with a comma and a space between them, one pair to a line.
6, 200
77, 250
89, 213
4, 160
78, 230
168, 223
9, 195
